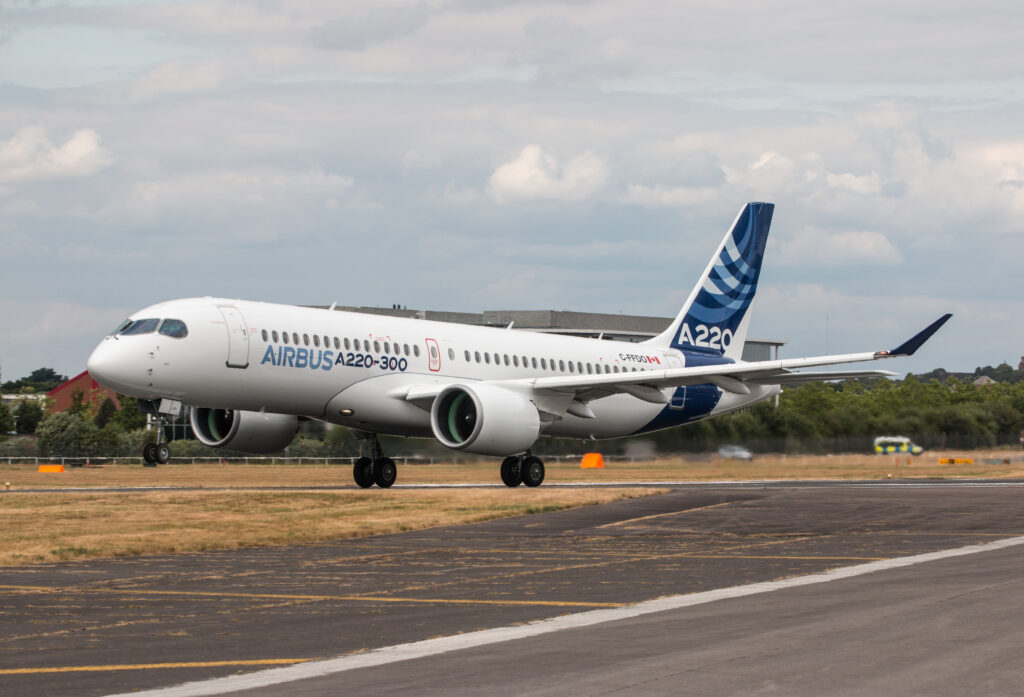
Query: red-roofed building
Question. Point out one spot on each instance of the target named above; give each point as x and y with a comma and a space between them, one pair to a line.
92, 392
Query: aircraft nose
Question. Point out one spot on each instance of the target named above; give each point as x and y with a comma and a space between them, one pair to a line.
109, 366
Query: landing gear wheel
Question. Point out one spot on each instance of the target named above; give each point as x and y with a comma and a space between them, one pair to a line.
511, 471
149, 453
532, 470
162, 453
384, 472
362, 472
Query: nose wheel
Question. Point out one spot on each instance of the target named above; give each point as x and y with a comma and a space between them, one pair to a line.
158, 453
379, 469
522, 469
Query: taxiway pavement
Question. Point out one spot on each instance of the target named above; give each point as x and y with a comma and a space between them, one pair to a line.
102, 627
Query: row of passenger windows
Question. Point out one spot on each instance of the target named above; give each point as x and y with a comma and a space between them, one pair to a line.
325, 341
386, 347
541, 363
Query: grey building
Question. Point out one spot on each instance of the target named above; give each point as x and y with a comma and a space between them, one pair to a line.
589, 324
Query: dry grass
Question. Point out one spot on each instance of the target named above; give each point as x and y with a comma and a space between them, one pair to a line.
63, 525
849, 466
59, 525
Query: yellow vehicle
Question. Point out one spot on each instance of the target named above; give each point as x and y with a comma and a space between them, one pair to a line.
896, 445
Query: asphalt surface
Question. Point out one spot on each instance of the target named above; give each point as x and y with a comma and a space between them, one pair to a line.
102, 627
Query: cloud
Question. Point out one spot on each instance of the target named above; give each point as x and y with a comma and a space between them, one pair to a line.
375, 25
535, 175
221, 191
657, 196
863, 185
845, 248
30, 156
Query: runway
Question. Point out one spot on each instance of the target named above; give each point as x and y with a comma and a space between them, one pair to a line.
95, 628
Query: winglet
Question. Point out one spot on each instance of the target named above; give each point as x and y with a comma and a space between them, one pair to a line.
908, 347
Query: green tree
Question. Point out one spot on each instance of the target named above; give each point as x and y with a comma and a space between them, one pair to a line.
29, 413
39, 380
65, 434
6, 421
105, 413
128, 417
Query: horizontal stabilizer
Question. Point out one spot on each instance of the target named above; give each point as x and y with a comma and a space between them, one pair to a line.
907, 348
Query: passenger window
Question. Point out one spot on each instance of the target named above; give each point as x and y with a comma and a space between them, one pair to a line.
316, 340
348, 346
579, 367
451, 354
337, 344
376, 347
515, 361
284, 335
590, 369
264, 335
533, 361
141, 326
387, 347
406, 347
305, 339
366, 345
467, 355
295, 338
543, 364
571, 369
416, 350
487, 357
477, 354
561, 365
275, 336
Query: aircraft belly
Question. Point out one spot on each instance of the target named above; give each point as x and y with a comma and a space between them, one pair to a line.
378, 404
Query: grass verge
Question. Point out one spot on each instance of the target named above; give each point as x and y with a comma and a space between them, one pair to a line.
57, 526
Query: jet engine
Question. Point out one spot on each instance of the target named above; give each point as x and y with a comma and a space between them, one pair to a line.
484, 419
248, 431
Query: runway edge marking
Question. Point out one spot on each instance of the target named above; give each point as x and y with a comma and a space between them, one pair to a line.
441, 645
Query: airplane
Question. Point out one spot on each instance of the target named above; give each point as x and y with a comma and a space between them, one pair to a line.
250, 371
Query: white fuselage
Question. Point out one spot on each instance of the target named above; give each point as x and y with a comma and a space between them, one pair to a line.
354, 369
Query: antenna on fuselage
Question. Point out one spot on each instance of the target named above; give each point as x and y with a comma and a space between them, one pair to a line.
333, 305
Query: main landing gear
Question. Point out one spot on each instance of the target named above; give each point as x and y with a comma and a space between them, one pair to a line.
522, 469
379, 470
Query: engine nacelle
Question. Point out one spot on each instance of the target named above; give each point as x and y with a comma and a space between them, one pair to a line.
484, 419
248, 431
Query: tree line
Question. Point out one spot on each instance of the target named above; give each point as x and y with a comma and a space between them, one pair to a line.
816, 418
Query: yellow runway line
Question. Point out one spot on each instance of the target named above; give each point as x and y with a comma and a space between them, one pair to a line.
287, 596
153, 666
663, 515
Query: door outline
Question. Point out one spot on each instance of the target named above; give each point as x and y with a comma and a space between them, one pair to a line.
678, 400
433, 356
238, 337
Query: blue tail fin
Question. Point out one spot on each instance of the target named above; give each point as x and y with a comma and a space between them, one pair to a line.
715, 317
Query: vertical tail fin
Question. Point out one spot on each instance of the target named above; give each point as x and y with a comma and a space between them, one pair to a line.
715, 317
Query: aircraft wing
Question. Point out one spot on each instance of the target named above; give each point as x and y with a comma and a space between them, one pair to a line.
731, 377
734, 377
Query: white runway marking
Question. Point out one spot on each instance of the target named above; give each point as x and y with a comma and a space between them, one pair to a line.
433, 647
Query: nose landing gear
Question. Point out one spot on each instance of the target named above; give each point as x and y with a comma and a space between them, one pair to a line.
379, 469
522, 469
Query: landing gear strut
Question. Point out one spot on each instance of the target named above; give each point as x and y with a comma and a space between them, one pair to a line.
379, 469
158, 453
522, 469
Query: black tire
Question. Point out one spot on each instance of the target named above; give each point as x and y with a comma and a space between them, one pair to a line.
532, 471
162, 454
511, 472
362, 472
149, 453
384, 472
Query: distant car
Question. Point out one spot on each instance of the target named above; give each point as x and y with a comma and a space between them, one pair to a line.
896, 445
735, 452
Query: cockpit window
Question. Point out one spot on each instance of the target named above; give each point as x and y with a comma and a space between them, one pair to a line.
174, 328
121, 327
141, 326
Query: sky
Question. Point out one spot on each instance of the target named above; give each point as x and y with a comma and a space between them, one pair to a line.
472, 155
